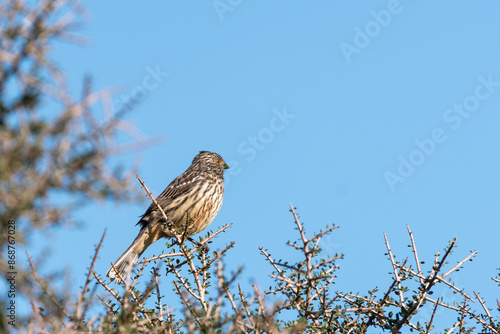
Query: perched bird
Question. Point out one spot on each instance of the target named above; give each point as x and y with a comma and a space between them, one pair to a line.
193, 199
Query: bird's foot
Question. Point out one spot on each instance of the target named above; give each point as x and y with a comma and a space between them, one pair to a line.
167, 226
204, 248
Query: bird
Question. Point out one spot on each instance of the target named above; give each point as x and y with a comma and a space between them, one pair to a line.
196, 194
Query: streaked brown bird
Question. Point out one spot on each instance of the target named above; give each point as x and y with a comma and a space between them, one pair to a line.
197, 194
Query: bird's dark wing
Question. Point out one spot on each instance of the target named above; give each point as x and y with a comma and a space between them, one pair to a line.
180, 186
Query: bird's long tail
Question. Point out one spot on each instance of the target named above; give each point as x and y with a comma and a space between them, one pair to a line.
129, 257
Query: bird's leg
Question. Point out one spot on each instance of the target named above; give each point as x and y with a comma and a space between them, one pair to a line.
204, 248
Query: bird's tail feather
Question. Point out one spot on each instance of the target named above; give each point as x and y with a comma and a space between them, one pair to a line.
128, 258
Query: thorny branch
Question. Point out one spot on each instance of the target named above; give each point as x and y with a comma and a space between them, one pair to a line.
303, 286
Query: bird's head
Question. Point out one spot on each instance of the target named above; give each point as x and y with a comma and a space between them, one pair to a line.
209, 160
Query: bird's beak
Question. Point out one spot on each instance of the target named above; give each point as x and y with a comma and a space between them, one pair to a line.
226, 166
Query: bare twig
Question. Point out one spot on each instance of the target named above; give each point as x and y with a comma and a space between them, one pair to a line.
245, 307
158, 257
46, 289
111, 291
158, 296
394, 268
158, 206
459, 264
79, 313
429, 324
438, 278
484, 307
414, 249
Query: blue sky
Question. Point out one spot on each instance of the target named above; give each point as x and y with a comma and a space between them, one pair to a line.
371, 115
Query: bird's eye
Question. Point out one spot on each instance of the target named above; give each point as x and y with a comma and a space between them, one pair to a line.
217, 161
